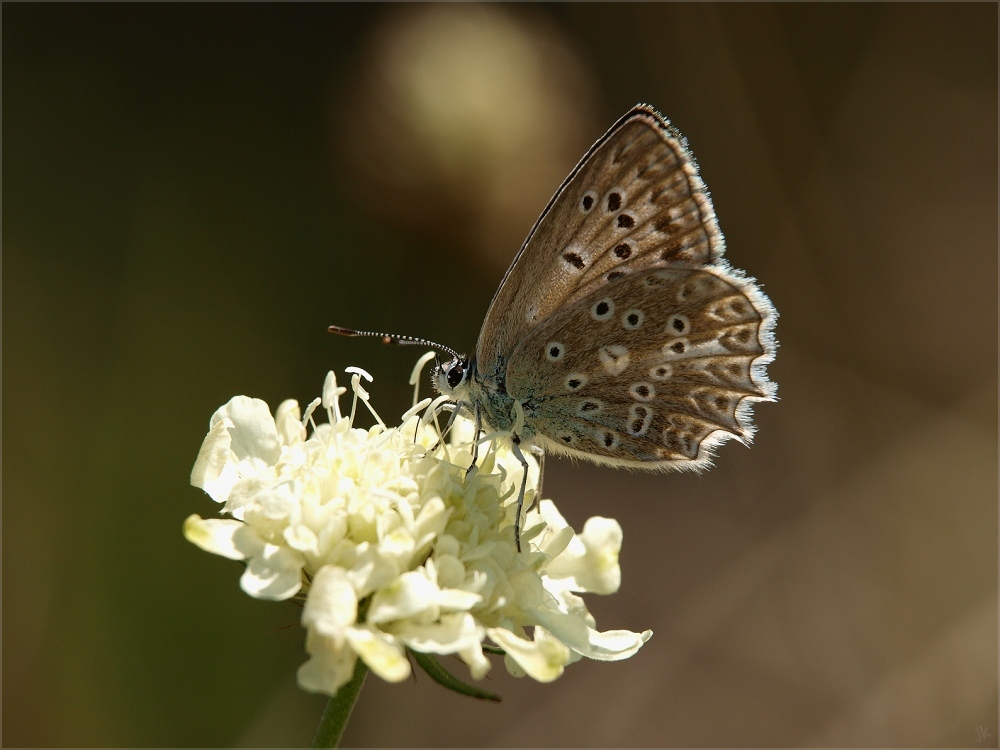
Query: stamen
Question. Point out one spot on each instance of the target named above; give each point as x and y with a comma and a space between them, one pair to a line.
360, 392
360, 371
307, 417
331, 396
415, 409
417, 372
356, 386
439, 404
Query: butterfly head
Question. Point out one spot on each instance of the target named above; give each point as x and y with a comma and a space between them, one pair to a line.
452, 378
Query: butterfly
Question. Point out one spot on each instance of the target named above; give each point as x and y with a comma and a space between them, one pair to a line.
619, 334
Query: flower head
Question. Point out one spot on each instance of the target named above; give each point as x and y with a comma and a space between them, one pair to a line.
392, 545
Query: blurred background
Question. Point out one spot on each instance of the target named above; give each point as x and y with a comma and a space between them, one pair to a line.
194, 192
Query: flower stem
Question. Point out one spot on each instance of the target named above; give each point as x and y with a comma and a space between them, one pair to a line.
338, 710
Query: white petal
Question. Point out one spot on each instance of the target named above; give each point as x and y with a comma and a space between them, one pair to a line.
232, 539
571, 629
552, 517
277, 502
410, 594
554, 543
254, 434
453, 633
371, 570
613, 645
590, 563
332, 605
302, 538
432, 518
288, 421
474, 657
383, 654
399, 543
529, 591
329, 668
274, 574
457, 599
450, 570
513, 667
447, 545
542, 659
215, 469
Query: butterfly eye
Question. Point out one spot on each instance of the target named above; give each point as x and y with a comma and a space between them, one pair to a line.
456, 374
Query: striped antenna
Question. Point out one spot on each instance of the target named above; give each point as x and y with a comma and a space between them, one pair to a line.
394, 339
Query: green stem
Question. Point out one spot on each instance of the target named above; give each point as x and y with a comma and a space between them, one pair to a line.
338, 710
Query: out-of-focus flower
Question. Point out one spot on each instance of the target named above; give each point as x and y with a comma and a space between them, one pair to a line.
461, 119
391, 545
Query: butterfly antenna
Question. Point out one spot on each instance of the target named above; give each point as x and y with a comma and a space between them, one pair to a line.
394, 339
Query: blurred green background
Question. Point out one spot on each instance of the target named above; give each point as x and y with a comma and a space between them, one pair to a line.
192, 193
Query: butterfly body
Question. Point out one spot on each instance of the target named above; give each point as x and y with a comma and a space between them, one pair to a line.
619, 334
496, 407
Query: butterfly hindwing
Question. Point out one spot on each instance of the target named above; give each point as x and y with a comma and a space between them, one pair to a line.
652, 369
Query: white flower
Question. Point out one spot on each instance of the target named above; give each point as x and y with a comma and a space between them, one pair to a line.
391, 545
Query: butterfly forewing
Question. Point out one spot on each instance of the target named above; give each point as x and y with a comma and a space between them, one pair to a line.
667, 369
634, 201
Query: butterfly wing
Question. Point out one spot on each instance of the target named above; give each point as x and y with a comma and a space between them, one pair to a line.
672, 359
633, 201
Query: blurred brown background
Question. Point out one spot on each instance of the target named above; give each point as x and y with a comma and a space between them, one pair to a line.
193, 193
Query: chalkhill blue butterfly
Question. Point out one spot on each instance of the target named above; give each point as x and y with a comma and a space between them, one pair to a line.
619, 334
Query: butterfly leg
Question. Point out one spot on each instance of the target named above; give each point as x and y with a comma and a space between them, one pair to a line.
475, 440
540, 456
520, 495
451, 422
